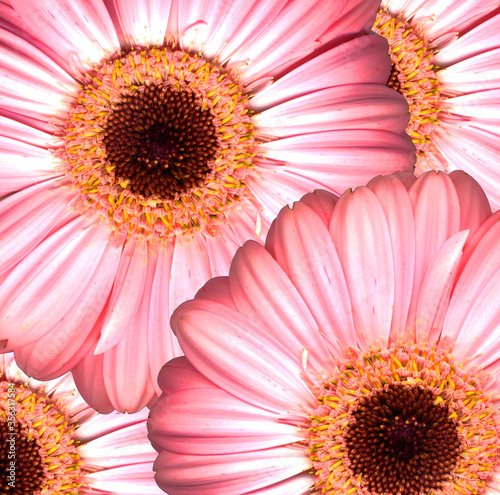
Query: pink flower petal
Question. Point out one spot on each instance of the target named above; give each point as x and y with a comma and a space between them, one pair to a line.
437, 217
353, 106
436, 289
263, 293
38, 291
127, 294
26, 134
300, 484
239, 356
479, 40
23, 165
360, 232
228, 474
143, 23
163, 345
27, 217
362, 60
472, 320
314, 269
74, 333
474, 206
322, 202
89, 378
83, 28
126, 370
393, 196
280, 43
178, 427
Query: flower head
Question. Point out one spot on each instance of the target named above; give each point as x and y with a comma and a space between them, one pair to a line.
355, 353
142, 142
444, 61
54, 443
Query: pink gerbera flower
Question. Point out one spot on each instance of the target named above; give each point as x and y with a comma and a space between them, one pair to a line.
356, 353
445, 61
143, 141
52, 442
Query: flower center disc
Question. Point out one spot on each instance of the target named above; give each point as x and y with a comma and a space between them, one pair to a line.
38, 451
159, 141
405, 421
413, 74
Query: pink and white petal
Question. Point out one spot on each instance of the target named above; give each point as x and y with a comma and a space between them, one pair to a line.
474, 74
357, 17
26, 134
240, 357
89, 378
448, 17
217, 289
178, 427
436, 290
190, 269
163, 345
23, 165
478, 40
247, 222
50, 280
474, 205
232, 26
476, 152
315, 270
281, 43
475, 109
322, 202
27, 217
353, 106
437, 218
328, 157
127, 294
134, 479
74, 334
300, 484
126, 368
221, 248
84, 29
114, 449
393, 196
478, 278
143, 23
228, 474
362, 60
264, 294
360, 232
178, 375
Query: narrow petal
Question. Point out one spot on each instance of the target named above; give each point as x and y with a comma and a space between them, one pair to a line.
352, 106
127, 374
228, 474
143, 23
27, 217
436, 289
361, 235
239, 356
263, 293
300, 484
178, 427
437, 217
362, 60
23, 165
316, 272
393, 197
83, 28
126, 296
74, 334
49, 280
162, 343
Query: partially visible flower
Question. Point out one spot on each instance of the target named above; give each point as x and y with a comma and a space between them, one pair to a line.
356, 353
142, 143
53, 443
446, 62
